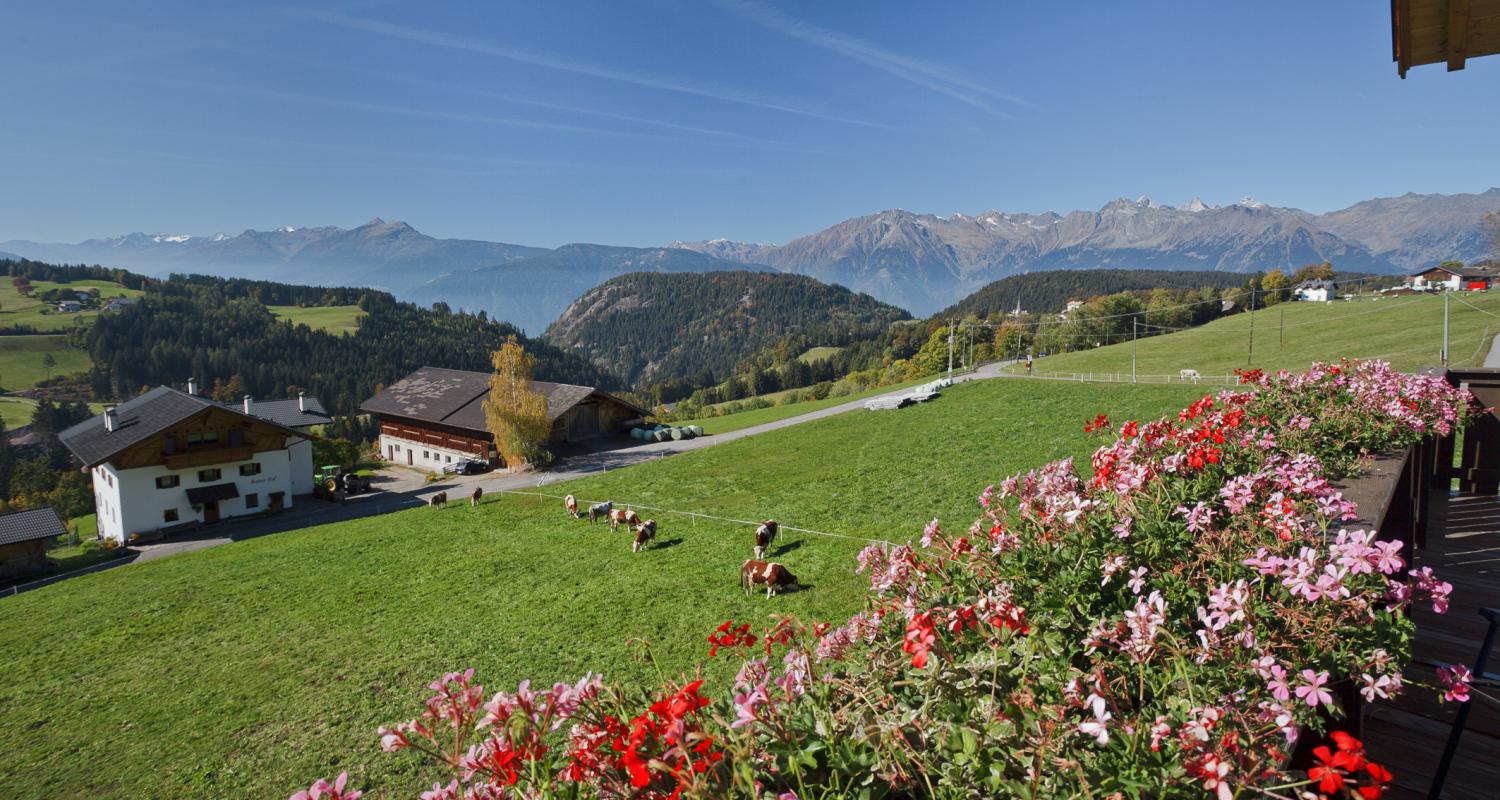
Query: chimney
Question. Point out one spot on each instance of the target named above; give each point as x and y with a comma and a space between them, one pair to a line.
111, 421
249, 405
302, 402
193, 386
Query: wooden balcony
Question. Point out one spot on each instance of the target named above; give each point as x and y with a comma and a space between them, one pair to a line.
203, 457
1444, 503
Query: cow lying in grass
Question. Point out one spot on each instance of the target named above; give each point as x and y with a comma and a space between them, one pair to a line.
474, 497
599, 511
772, 575
623, 516
571, 503
764, 535
437, 499
644, 533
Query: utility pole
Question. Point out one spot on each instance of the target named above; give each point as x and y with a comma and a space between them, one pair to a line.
1444, 358
1133, 335
950, 350
1250, 358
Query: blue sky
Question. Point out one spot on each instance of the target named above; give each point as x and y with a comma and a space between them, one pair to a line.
640, 123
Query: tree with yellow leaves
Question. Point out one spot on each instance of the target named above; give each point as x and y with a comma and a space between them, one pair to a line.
515, 413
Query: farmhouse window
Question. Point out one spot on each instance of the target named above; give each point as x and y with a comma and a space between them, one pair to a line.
253, 468
209, 475
202, 438
170, 515
426, 454
252, 500
167, 481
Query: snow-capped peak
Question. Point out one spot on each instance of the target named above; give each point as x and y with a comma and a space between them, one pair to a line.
1195, 205
219, 237
1143, 200
175, 239
1249, 202
287, 229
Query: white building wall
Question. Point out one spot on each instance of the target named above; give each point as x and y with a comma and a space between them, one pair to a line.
301, 456
133, 504
423, 456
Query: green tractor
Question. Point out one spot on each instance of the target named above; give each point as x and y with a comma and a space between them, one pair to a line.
329, 481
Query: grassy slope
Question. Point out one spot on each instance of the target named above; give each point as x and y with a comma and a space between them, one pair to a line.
247, 670
17, 309
21, 359
1407, 331
758, 416
818, 354
17, 411
334, 319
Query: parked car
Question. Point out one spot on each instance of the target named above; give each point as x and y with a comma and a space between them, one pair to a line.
468, 467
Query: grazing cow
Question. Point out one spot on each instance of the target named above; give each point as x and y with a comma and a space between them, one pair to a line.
623, 516
644, 533
571, 503
598, 510
474, 497
1189, 375
764, 535
775, 576
438, 499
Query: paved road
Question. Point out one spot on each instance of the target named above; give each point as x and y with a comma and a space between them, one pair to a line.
401, 487
1492, 358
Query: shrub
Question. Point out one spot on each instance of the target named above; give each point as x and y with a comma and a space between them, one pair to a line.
1168, 623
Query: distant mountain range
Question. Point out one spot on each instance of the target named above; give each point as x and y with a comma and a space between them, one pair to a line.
925, 262
920, 262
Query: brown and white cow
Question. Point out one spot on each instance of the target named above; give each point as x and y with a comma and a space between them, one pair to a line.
772, 575
644, 533
623, 516
599, 511
571, 503
438, 499
764, 535
474, 497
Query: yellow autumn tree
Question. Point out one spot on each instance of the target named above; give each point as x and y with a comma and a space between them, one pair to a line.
515, 413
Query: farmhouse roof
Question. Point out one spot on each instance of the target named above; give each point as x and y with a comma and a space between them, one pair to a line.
456, 397
138, 420
1320, 283
1461, 271
24, 526
286, 412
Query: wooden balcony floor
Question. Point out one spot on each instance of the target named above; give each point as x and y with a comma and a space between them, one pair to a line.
1408, 735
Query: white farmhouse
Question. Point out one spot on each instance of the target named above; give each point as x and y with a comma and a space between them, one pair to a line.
169, 458
1315, 291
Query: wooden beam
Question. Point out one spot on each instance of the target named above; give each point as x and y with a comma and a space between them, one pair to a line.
1403, 36
1458, 34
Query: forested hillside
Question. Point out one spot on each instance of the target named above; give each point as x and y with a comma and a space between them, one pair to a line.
1049, 292
655, 328
220, 331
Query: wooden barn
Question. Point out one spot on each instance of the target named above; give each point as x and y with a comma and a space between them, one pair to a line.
23, 541
434, 417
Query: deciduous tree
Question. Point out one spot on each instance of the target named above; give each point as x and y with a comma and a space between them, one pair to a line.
515, 414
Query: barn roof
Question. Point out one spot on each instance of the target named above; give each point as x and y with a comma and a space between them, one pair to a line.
24, 526
456, 397
1462, 271
139, 419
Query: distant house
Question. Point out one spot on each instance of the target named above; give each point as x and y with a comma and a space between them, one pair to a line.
119, 303
1073, 305
170, 458
435, 417
1315, 291
68, 306
1451, 278
83, 297
23, 541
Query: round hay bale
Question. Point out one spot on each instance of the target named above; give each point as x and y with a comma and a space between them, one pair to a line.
660, 435
696, 429
676, 434
637, 433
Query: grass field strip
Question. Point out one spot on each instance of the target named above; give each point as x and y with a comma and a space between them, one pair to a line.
582, 503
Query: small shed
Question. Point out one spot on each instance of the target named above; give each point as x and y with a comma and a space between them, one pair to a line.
69, 306
23, 541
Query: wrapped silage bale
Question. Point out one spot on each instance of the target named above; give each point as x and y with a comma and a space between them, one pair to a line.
677, 434
696, 429
661, 435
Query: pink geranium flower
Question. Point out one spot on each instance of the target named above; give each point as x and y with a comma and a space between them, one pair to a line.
1311, 690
